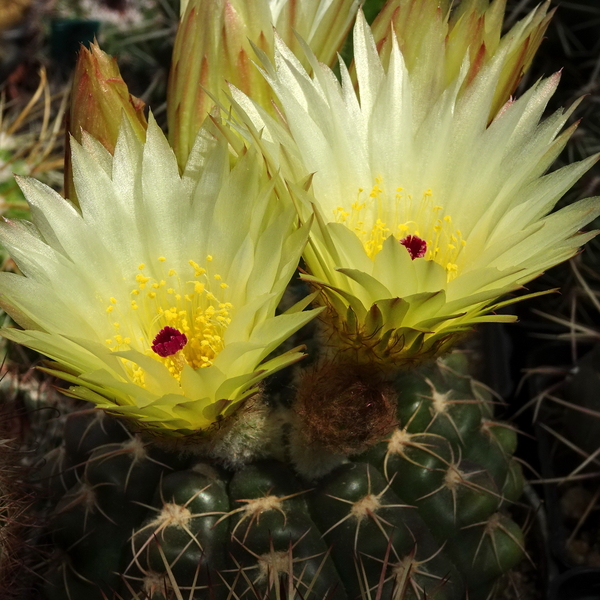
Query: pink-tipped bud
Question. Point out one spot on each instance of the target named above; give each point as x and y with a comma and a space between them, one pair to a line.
214, 47
435, 42
99, 99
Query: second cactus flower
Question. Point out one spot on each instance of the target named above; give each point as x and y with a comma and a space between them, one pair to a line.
426, 212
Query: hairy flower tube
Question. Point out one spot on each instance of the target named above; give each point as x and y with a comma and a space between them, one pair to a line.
156, 298
424, 218
213, 46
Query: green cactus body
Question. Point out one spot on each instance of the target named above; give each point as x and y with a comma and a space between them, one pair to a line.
182, 531
369, 527
422, 514
273, 535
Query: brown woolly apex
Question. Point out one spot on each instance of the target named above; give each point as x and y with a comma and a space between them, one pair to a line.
98, 99
345, 408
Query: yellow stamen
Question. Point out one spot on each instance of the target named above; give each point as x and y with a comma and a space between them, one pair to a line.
377, 216
196, 304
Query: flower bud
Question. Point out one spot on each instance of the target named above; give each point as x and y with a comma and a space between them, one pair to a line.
213, 47
435, 40
99, 99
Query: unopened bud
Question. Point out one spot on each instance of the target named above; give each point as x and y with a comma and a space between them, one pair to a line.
213, 47
99, 99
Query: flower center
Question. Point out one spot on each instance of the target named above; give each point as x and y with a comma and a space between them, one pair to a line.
415, 245
168, 341
178, 319
418, 224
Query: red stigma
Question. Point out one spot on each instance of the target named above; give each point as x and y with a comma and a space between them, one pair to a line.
169, 341
415, 245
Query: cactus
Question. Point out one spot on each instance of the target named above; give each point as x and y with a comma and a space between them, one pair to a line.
421, 514
379, 471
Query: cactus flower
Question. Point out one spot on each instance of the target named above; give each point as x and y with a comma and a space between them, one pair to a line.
99, 97
425, 216
156, 299
213, 46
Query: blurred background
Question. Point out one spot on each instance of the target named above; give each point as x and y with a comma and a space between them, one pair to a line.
39, 41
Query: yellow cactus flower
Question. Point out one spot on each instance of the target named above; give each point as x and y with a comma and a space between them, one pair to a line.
425, 216
213, 46
156, 299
